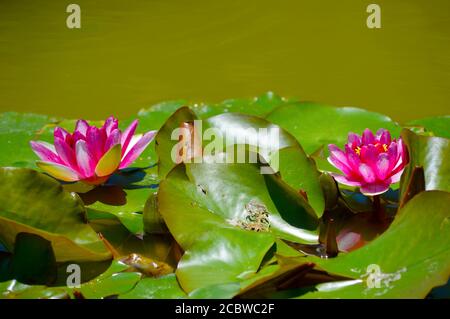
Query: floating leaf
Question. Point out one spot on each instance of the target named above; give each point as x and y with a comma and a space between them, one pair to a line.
258, 106
165, 287
15, 290
316, 125
115, 281
165, 143
412, 256
34, 203
232, 252
16, 132
432, 154
438, 125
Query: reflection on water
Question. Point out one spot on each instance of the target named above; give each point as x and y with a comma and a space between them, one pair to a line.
128, 55
109, 195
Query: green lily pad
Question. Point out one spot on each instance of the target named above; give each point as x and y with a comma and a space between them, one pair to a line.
165, 287
198, 230
300, 172
316, 125
432, 154
114, 281
165, 143
35, 203
234, 128
232, 255
438, 125
412, 256
234, 190
28, 247
215, 203
285, 155
268, 278
124, 196
15, 290
16, 132
258, 106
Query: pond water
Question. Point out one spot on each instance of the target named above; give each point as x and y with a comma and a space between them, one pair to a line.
131, 54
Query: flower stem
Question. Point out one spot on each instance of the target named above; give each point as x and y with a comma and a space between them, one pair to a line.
379, 212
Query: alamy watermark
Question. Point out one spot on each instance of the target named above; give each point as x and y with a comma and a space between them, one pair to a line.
73, 21
376, 279
74, 278
374, 19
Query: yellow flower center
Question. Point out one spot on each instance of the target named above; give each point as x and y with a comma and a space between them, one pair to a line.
380, 147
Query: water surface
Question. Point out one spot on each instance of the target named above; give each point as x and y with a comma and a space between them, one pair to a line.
131, 54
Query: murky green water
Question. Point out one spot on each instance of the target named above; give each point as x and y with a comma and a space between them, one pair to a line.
130, 54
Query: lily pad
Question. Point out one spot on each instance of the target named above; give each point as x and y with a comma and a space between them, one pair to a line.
166, 141
16, 131
13, 289
316, 125
300, 172
258, 106
285, 155
115, 281
407, 261
234, 190
35, 203
438, 125
165, 287
198, 230
203, 211
432, 154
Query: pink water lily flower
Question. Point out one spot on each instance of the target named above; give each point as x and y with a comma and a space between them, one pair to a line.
91, 154
369, 162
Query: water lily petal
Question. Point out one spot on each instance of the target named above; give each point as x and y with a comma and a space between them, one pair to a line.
45, 151
396, 177
85, 161
369, 155
127, 135
59, 171
109, 163
402, 157
339, 165
134, 140
110, 125
375, 188
383, 136
352, 158
95, 140
354, 140
61, 133
345, 180
367, 137
383, 166
393, 155
112, 139
367, 173
403, 151
348, 240
137, 149
77, 136
66, 153
337, 153
81, 127
338, 159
